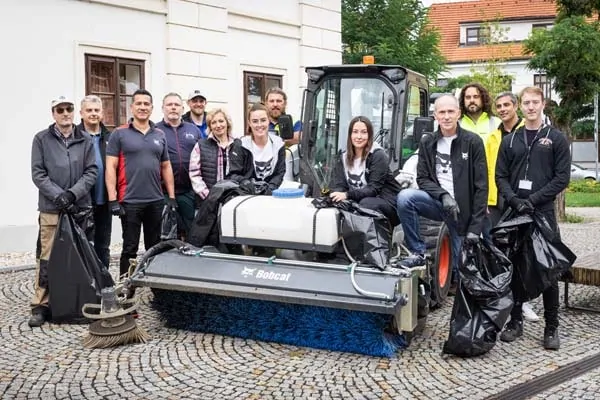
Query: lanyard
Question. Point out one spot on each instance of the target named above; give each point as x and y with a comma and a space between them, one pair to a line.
530, 146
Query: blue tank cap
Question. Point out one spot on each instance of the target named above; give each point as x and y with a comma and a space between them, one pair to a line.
288, 193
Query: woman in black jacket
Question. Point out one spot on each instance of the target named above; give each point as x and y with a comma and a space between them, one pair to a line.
363, 173
263, 158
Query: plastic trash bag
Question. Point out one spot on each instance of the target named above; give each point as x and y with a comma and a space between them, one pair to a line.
75, 273
482, 303
168, 226
534, 247
367, 235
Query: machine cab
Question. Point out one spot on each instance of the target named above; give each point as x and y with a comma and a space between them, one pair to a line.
394, 98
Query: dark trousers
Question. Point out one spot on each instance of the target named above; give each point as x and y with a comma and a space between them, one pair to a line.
550, 295
491, 220
147, 214
186, 208
385, 206
103, 225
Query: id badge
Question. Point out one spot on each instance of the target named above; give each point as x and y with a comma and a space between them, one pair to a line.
525, 184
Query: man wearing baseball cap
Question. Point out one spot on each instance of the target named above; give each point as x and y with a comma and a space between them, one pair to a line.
63, 168
196, 101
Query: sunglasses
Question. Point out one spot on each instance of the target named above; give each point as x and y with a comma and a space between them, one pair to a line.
60, 110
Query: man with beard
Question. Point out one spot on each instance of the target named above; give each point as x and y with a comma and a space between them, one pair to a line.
197, 114
534, 166
276, 102
181, 138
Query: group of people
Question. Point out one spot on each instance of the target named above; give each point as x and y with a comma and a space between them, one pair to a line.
141, 169
469, 171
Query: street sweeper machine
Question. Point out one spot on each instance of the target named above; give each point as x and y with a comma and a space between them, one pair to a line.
309, 290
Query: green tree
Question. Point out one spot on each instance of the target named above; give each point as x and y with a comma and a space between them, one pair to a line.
569, 55
394, 32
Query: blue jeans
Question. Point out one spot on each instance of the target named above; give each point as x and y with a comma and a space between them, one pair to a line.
412, 203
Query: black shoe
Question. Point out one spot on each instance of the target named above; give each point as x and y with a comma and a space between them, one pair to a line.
413, 260
512, 331
551, 339
38, 317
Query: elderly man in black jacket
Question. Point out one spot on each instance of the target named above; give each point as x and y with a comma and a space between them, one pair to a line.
452, 177
63, 167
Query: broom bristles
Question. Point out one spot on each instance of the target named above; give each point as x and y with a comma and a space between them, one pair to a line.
136, 335
300, 325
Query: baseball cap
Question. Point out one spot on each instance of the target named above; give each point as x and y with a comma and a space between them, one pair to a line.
61, 100
196, 93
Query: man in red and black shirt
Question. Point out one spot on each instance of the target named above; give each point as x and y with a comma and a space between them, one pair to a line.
136, 158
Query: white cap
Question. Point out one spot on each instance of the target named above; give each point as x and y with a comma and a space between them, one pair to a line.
61, 100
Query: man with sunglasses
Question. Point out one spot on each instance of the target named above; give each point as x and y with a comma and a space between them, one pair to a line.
63, 168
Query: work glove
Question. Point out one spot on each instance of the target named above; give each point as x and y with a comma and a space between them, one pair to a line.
116, 208
472, 238
64, 200
450, 206
172, 204
521, 206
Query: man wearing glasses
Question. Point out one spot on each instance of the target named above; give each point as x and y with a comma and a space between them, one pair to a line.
63, 168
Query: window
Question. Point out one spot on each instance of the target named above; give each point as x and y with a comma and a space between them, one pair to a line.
477, 36
548, 25
542, 81
417, 106
256, 85
114, 80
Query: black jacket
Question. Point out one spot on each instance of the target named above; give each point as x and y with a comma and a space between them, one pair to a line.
56, 167
243, 164
469, 173
379, 178
549, 166
104, 136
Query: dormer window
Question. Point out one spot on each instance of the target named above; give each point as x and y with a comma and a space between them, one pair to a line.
477, 36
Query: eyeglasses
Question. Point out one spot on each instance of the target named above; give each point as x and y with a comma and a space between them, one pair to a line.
60, 110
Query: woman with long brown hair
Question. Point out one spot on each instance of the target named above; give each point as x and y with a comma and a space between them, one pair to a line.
363, 173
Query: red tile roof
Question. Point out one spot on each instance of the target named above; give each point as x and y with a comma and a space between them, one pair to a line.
447, 17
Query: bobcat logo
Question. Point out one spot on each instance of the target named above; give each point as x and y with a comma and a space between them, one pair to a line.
246, 272
263, 169
443, 162
356, 181
465, 156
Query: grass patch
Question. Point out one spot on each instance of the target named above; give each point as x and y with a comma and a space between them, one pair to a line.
573, 218
580, 199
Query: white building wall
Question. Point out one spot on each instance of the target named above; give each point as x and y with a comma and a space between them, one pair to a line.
44, 42
192, 44
509, 31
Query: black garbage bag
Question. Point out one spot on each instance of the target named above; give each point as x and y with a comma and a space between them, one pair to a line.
168, 227
366, 233
75, 273
482, 303
538, 255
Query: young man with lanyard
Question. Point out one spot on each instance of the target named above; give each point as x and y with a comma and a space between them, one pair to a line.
276, 102
533, 167
137, 156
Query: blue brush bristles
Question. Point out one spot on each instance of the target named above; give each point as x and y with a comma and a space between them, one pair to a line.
300, 325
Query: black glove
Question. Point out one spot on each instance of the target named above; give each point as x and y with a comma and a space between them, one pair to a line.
248, 186
450, 206
521, 206
64, 200
172, 204
116, 208
472, 238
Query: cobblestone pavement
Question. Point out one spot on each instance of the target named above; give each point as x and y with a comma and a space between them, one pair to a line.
50, 362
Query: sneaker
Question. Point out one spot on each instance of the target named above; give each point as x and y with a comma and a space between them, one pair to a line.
529, 314
413, 260
512, 331
551, 339
38, 317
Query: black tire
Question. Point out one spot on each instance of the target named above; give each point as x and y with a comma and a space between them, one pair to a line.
440, 268
429, 231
